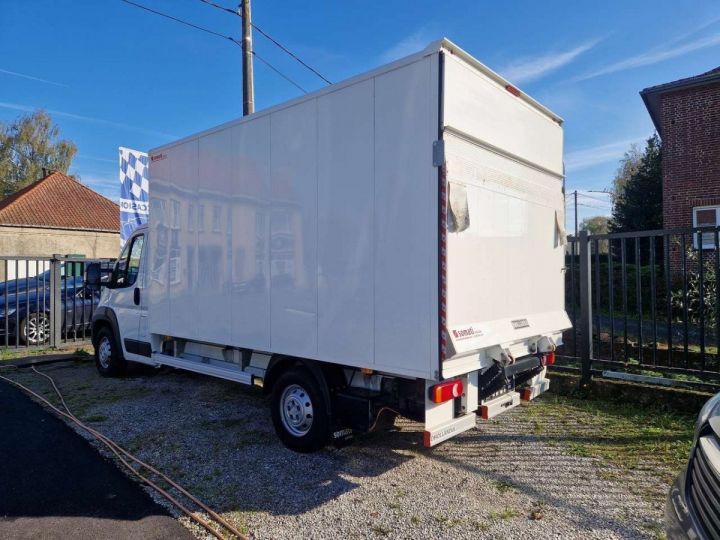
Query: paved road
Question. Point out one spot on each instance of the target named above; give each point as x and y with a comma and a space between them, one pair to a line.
53, 484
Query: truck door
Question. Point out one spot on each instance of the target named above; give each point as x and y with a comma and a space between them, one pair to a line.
126, 298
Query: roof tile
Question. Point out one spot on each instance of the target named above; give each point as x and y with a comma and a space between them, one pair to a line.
59, 201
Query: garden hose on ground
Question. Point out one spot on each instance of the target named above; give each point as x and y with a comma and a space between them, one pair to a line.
118, 450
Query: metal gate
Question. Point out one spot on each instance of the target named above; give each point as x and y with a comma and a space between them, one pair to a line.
44, 301
646, 304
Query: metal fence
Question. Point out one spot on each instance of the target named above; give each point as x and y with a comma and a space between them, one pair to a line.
44, 301
644, 304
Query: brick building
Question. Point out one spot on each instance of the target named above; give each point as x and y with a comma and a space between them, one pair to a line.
686, 114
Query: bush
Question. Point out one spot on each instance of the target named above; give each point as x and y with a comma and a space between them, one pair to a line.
709, 294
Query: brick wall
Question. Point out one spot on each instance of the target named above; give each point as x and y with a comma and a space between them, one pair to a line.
690, 120
691, 152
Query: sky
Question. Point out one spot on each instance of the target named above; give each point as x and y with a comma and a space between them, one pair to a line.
111, 74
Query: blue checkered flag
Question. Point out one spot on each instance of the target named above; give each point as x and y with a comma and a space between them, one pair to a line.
134, 198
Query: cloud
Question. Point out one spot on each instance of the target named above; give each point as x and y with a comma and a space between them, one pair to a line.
589, 157
97, 158
30, 77
89, 119
413, 43
529, 69
654, 56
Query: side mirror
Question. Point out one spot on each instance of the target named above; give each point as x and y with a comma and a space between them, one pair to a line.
93, 276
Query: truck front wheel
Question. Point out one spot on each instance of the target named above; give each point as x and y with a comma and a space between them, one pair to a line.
299, 411
108, 356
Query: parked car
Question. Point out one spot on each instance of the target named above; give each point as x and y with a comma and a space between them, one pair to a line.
41, 281
25, 316
693, 505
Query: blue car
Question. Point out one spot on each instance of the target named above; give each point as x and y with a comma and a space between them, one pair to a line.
25, 314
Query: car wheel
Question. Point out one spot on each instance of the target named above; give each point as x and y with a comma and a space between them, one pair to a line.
108, 356
35, 329
299, 411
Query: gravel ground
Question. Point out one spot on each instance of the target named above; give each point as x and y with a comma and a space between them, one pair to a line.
514, 477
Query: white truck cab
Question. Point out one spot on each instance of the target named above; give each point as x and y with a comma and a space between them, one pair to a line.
391, 244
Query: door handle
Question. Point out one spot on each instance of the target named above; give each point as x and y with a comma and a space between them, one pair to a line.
136, 296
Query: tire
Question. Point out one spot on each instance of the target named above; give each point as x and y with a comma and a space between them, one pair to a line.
35, 329
299, 411
108, 356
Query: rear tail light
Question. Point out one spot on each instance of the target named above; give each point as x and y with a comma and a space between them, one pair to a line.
549, 358
445, 391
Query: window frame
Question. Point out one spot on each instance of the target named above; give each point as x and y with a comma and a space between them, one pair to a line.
706, 245
126, 260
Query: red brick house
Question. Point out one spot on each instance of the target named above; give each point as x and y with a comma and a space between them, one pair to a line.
686, 114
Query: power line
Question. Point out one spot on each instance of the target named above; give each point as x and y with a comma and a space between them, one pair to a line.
272, 39
218, 6
581, 194
569, 203
181, 21
288, 79
207, 30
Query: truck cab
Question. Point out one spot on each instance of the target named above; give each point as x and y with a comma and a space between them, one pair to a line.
120, 330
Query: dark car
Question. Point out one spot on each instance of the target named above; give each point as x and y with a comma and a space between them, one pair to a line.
25, 315
693, 506
41, 281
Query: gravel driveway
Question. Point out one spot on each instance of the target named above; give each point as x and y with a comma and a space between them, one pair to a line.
519, 476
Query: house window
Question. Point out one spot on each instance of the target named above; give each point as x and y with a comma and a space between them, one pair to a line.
706, 216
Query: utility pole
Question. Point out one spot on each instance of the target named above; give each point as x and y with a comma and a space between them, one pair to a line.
247, 60
576, 218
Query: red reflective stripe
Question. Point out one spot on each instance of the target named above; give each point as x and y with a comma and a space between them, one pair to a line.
442, 220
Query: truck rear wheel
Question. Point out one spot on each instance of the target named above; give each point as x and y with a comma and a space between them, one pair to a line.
108, 356
299, 411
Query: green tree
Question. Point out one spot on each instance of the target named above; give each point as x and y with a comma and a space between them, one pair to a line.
597, 225
637, 199
27, 146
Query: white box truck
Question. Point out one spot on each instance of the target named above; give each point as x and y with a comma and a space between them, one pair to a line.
388, 244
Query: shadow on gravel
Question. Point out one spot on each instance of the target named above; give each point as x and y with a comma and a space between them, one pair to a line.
216, 438
538, 473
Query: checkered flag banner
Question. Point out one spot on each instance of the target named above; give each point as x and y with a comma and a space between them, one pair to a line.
134, 198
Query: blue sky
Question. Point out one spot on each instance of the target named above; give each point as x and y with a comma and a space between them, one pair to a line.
113, 75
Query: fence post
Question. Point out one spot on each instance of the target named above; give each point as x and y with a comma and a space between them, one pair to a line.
585, 320
55, 300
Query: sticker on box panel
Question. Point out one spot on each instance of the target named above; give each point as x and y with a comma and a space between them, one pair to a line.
465, 338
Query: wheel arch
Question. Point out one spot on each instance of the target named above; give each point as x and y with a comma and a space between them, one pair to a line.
328, 376
105, 317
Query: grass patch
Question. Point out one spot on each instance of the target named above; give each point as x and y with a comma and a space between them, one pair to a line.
95, 418
508, 513
14, 354
625, 435
504, 487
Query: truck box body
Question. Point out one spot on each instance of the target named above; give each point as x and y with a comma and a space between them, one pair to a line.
406, 220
